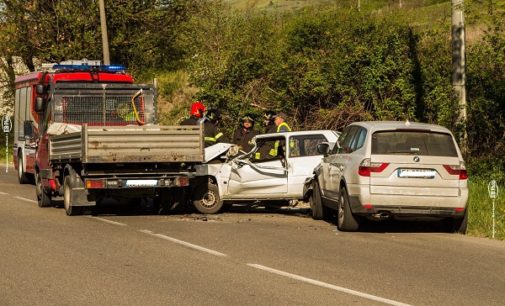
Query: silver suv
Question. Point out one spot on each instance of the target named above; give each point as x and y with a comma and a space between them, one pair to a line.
391, 169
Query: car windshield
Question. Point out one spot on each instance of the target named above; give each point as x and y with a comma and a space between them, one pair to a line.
413, 142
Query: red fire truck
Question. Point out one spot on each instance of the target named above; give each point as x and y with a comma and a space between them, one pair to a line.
86, 131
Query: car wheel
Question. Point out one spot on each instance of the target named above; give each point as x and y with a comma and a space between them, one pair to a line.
316, 204
23, 177
459, 225
207, 200
43, 198
346, 221
67, 199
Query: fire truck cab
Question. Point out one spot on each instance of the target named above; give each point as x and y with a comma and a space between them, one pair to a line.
38, 90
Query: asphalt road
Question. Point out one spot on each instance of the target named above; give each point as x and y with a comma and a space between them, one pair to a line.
243, 257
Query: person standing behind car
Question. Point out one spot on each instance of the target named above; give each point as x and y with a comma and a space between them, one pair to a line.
196, 114
280, 123
268, 121
281, 126
244, 134
213, 134
197, 117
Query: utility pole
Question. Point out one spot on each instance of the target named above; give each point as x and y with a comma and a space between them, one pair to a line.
105, 38
459, 64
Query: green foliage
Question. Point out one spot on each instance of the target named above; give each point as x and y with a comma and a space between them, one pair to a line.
303, 62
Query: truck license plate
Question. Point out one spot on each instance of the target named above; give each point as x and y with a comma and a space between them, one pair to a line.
417, 173
141, 183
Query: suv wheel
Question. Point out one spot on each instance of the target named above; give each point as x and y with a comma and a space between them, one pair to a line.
316, 204
345, 220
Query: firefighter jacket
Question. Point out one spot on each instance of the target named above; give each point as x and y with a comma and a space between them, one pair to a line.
243, 138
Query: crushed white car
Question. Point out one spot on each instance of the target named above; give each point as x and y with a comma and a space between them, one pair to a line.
275, 170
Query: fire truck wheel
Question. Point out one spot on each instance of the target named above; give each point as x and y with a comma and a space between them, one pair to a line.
207, 200
67, 199
23, 177
43, 198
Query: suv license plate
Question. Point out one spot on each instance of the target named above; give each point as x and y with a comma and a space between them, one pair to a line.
417, 173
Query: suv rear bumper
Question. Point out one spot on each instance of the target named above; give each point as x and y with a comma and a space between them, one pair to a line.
365, 204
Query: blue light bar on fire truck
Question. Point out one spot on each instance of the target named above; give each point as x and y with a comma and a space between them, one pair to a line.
101, 68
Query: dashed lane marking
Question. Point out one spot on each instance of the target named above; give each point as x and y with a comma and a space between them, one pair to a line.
3, 193
25, 199
184, 243
328, 286
106, 221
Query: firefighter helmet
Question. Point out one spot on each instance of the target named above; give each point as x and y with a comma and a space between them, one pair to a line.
197, 109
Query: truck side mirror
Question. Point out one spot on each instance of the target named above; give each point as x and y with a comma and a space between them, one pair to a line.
40, 89
39, 104
28, 129
323, 148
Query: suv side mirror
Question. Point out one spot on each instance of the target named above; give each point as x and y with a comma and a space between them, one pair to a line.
323, 148
28, 129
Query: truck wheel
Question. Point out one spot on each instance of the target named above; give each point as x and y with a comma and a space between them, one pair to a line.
346, 221
207, 200
316, 204
43, 198
23, 177
67, 196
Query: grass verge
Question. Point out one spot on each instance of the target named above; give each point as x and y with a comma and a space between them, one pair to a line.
480, 221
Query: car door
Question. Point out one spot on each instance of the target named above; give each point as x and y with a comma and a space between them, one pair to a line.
302, 159
349, 160
259, 174
322, 172
340, 160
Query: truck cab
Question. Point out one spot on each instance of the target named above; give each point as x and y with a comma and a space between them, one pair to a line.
73, 93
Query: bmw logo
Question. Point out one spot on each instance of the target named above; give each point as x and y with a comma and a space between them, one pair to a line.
416, 159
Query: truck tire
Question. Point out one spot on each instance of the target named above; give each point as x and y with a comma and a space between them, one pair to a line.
23, 177
207, 200
67, 199
345, 220
316, 203
43, 198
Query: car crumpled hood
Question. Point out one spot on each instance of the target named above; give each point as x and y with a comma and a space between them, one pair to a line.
216, 150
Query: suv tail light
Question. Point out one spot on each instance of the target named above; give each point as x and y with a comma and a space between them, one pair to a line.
459, 170
367, 167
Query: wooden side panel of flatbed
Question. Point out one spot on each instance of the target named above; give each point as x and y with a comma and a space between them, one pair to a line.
130, 144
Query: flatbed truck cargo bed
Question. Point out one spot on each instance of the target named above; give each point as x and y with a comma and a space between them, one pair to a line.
129, 144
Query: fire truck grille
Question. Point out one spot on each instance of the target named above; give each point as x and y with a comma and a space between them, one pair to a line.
99, 110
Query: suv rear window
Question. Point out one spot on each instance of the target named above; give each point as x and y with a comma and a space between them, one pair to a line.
413, 142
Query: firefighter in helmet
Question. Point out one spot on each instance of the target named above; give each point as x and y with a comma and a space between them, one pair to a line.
197, 112
268, 121
244, 134
213, 134
280, 123
210, 132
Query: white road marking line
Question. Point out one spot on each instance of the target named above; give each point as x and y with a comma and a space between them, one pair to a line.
184, 243
107, 221
328, 286
3, 193
25, 199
